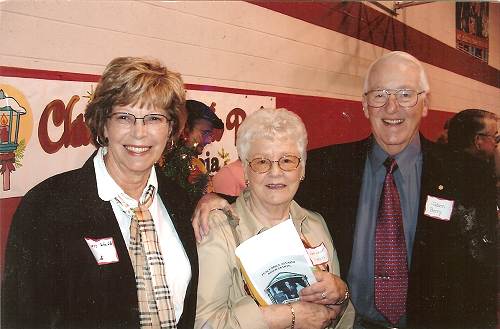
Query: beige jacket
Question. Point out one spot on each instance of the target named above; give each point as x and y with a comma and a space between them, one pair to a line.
222, 300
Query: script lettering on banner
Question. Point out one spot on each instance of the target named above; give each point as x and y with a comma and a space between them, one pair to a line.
75, 132
62, 142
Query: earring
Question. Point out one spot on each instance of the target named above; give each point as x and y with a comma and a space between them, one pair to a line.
161, 161
247, 182
99, 142
170, 145
302, 178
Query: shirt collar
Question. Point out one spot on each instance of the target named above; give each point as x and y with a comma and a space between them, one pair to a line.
405, 159
250, 226
107, 188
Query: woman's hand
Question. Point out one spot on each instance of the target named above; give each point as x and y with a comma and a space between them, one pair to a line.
329, 290
307, 316
313, 316
199, 221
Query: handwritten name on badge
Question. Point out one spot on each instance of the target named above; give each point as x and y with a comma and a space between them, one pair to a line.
318, 255
103, 250
438, 208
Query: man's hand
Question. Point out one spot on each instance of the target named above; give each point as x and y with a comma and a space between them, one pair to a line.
208, 202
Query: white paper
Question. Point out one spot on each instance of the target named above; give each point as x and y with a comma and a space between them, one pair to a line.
276, 263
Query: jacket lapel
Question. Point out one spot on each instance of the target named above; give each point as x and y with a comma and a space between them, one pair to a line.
100, 217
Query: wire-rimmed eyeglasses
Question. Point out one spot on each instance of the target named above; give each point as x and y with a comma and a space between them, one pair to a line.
496, 137
128, 120
404, 97
263, 165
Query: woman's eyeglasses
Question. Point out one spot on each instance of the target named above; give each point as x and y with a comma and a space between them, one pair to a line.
127, 120
263, 165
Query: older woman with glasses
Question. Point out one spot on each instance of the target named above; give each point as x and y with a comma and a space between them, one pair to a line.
109, 245
272, 146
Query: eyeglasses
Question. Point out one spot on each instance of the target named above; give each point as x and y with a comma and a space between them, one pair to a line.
404, 97
127, 120
263, 165
495, 137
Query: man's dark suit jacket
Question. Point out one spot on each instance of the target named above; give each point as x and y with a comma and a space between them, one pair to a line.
52, 280
453, 270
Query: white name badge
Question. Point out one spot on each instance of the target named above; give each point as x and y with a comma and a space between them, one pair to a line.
103, 250
318, 255
438, 208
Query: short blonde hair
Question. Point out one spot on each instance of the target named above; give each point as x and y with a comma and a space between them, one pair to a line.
131, 81
272, 124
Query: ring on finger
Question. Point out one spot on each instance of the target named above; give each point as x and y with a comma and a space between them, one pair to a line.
323, 295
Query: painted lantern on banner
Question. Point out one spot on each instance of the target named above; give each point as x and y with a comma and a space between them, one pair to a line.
10, 116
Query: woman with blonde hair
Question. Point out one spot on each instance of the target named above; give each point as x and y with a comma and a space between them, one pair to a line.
109, 245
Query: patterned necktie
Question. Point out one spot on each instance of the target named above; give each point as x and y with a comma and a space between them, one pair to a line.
391, 267
155, 301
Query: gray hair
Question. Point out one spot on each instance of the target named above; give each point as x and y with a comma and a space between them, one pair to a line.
272, 124
394, 55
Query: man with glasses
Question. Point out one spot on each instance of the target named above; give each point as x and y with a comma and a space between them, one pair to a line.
474, 131
439, 272
474, 136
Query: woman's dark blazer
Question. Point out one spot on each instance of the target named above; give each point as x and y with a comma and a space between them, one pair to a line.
52, 280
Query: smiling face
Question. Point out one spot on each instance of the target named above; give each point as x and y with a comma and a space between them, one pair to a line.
132, 151
394, 126
276, 187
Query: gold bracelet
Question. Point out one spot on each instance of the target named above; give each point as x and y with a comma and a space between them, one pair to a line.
293, 316
344, 299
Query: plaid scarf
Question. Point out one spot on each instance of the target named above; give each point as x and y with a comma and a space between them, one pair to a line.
155, 301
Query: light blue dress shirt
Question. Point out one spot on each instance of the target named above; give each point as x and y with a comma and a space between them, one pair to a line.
407, 178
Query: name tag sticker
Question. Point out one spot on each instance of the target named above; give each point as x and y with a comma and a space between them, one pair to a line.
103, 250
318, 255
438, 208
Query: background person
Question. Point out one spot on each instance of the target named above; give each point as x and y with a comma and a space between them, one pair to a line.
474, 137
76, 245
181, 161
273, 145
200, 125
474, 131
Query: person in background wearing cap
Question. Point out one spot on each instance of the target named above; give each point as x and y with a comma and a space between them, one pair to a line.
199, 129
181, 161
